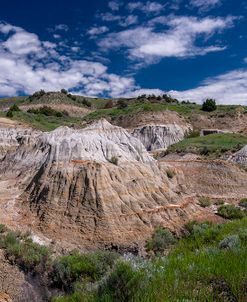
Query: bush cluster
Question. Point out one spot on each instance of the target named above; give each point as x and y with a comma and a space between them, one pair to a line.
161, 240
209, 105
230, 212
37, 95
22, 251
114, 160
243, 203
67, 270
12, 109
205, 202
47, 111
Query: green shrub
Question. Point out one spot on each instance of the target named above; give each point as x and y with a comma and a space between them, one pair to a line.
161, 240
23, 252
209, 105
121, 104
219, 202
14, 108
230, 242
86, 103
47, 111
189, 227
2, 228
64, 91
122, 284
170, 174
109, 105
69, 269
193, 133
243, 203
37, 95
114, 160
230, 212
9, 114
205, 202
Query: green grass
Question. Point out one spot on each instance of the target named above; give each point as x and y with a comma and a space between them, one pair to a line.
143, 107
185, 109
43, 122
134, 107
22, 251
208, 261
213, 145
200, 267
7, 102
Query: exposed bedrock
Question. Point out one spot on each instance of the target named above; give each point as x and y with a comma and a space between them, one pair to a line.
156, 130
240, 157
10, 137
155, 136
81, 195
212, 178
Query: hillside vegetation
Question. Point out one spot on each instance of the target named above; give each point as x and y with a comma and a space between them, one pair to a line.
207, 263
212, 146
103, 108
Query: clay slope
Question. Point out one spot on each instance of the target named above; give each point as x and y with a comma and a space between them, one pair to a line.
156, 137
213, 178
76, 193
240, 157
156, 130
9, 138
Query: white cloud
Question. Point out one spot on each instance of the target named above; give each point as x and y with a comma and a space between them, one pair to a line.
121, 20
109, 17
23, 43
205, 5
61, 27
148, 7
29, 64
94, 31
228, 88
178, 40
55, 36
130, 20
114, 5
141, 91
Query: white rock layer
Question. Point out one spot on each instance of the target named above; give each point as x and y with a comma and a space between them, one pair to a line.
155, 136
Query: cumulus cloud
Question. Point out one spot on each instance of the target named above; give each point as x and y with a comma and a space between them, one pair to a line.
61, 27
205, 5
228, 88
148, 7
114, 5
29, 64
130, 20
177, 39
140, 91
121, 20
94, 31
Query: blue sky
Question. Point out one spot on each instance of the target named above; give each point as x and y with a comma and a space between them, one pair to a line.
191, 49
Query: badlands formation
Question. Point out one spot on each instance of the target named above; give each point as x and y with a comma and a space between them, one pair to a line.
95, 187
99, 187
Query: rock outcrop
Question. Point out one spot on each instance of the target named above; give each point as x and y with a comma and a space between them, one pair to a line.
240, 157
156, 137
156, 130
9, 138
213, 178
94, 186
